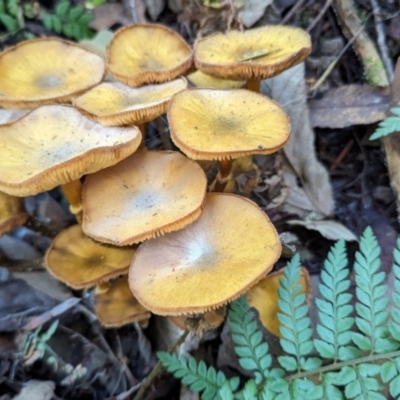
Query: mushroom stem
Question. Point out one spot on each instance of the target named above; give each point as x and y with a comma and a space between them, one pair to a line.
73, 192
223, 176
253, 85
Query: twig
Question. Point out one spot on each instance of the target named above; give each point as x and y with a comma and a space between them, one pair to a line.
320, 15
332, 65
158, 367
381, 38
342, 155
292, 11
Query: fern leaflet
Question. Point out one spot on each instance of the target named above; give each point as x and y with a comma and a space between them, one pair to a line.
388, 125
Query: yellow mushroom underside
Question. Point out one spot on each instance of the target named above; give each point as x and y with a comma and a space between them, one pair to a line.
115, 304
146, 195
80, 262
202, 80
212, 261
254, 54
53, 145
149, 53
117, 104
46, 71
209, 124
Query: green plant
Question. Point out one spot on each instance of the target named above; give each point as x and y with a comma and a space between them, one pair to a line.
389, 125
354, 357
67, 19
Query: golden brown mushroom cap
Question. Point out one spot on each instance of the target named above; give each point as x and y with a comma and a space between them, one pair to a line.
118, 104
209, 320
53, 145
148, 53
115, 305
212, 261
264, 298
201, 80
144, 196
253, 54
11, 213
80, 262
211, 124
46, 71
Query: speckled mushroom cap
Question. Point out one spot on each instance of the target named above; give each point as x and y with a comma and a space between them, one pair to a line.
12, 214
211, 262
211, 124
264, 298
147, 53
115, 305
118, 104
80, 262
258, 53
201, 80
46, 71
53, 145
144, 196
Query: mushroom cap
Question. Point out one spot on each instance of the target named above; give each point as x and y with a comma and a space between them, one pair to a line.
209, 320
264, 298
46, 71
80, 262
144, 196
53, 145
115, 305
118, 104
227, 250
7, 115
147, 53
211, 124
201, 80
253, 54
11, 213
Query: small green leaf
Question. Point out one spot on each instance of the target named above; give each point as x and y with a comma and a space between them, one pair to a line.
9, 22
62, 8
288, 362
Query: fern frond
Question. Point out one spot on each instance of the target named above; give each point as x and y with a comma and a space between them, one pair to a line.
394, 323
335, 310
196, 376
295, 323
371, 305
388, 125
253, 353
390, 372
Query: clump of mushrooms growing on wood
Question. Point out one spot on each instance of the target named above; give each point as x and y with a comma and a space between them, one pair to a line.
142, 211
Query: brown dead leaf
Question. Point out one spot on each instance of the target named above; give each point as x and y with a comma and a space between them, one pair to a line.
350, 105
252, 11
106, 15
289, 90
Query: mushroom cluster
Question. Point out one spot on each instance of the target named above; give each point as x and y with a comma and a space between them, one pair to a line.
148, 213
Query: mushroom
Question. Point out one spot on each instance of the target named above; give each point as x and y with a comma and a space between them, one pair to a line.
147, 53
252, 55
201, 80
116, 306
56, 145
80, 262
264, 298
12, 214
116, 104
209, 262
211, 124
144, 196
46, 71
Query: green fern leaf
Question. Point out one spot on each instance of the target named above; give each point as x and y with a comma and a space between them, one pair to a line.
252, 352
394, 323
194, 375
335, 310
389, 125
371, 306
295, 323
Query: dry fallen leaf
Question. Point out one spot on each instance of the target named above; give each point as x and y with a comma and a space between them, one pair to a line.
36, 390
328, 229
252, 11
289, 90
350, 105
